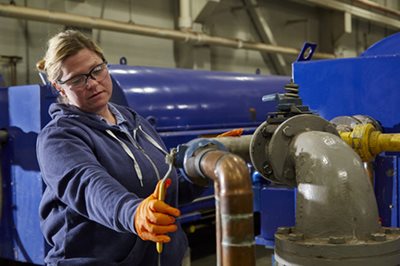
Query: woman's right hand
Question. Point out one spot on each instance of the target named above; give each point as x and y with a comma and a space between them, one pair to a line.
154, 218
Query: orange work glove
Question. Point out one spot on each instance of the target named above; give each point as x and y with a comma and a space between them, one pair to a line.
232, 133
154, 218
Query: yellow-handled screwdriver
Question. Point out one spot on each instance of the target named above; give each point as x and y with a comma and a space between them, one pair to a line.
161, 196
169, 159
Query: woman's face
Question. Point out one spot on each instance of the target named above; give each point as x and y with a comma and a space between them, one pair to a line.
92, 95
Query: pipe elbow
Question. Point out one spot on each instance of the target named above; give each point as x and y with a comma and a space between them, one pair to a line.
233, 175
335, 196
232, 179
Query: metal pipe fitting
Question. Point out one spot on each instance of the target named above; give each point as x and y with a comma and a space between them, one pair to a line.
335, 197
336, 210
368, 141
237, 145
234, 205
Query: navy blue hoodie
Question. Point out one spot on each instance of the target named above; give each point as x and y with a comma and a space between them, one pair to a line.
93, 190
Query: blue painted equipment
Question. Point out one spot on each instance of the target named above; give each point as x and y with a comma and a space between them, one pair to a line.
182, 104
366, 85
186, 104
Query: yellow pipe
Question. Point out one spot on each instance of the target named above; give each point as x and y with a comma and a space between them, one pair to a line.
368, 142
386, 142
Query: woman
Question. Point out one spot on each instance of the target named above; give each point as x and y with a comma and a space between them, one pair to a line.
101, 163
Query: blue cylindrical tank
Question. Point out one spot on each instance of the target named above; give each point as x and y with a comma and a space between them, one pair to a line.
180, 100
388, 46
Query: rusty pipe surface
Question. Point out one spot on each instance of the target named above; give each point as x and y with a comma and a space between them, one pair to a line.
335, 197
234, 205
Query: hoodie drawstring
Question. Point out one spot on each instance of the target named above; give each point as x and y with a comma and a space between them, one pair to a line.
130, 154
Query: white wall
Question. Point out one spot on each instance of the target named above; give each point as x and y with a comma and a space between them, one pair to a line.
292, 24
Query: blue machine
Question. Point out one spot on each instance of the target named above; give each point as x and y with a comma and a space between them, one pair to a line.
187, 104
181, 104
366, 85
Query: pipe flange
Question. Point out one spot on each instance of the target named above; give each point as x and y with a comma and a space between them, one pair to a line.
278, 148
191, 166
347, 123
293, 248
259, 150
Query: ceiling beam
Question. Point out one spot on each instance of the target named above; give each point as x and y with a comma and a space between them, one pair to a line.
357, 12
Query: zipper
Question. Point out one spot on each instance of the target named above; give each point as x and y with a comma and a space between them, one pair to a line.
151, 140
137, 145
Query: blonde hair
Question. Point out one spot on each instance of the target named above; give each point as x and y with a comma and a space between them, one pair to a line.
60, 47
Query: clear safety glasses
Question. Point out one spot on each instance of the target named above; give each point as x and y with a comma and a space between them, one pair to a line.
79, 82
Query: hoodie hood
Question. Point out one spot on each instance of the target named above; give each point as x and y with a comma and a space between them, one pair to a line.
59, 110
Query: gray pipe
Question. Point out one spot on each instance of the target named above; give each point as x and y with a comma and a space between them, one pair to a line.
335, 196
237, 145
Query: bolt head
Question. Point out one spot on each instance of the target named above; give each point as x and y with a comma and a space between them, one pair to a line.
267, 168
288, 131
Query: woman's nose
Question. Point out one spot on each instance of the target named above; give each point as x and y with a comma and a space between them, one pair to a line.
90, 82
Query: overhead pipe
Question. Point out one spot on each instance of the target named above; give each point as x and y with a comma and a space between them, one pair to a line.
363, 13
117, 26
234, 203
185, 19
376, 6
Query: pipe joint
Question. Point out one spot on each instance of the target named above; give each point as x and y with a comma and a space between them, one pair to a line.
270, 146
208, 159
189, 156
368, 141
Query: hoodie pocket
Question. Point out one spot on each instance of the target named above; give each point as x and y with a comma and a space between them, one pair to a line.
136, 254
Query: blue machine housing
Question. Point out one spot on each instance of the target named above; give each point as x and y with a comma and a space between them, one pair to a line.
181, 104
366, 85
23, 116
186, 104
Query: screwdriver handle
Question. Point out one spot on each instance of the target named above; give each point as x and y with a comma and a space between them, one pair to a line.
161, 196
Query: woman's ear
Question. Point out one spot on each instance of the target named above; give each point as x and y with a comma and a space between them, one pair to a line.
58, 88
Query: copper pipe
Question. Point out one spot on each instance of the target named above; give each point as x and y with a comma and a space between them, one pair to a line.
234, 200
